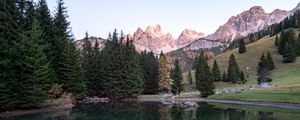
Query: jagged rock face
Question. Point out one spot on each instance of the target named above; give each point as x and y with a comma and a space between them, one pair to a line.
153, 39
187, 37
101, 42
202, 43
247, 22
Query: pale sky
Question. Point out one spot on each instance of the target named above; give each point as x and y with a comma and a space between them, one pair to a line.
98, 17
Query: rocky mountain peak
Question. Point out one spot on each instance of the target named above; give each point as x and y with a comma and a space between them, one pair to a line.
257, 10
247, 22
153, 30
157, 28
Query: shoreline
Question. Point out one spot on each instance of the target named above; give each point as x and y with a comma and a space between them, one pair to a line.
12, 113
239, 102
286, 105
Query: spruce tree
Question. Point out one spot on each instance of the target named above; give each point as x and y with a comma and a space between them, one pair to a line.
242, 47
133, 75
297, 45
277, 41
164, 83
9, 39
204, 81
97, 71
67, 57
190, 78
289, 55
216, 74
224, 77
87, 65
176, 76
233, 70
270, 62
242, 77
45, 21
36, 78
150, 70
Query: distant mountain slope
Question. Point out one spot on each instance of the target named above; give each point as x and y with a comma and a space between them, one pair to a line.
249, 21
155, 40
248, 61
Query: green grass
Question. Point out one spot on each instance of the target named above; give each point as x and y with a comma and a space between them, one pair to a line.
260, 96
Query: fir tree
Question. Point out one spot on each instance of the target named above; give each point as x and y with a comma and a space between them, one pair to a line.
97, 71
224, 77
204, 81
149, 64
9, 55
133, 76
297, 45
277, 41
87, 65
189, 77
270, 62
242, 47
36, 75
67, 57
176, 76
164, 83
289, 55
242, 77
233, 70
45, 21
216, 74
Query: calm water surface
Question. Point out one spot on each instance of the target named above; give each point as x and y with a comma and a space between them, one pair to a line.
157, 111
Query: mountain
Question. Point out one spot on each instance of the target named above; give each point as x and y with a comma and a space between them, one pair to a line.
187, 37
153, 39
249, 21
93, 40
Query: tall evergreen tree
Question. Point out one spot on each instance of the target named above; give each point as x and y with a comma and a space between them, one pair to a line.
277, 41
190, 78
204, 81
45, 21
149, 64
289, 54
242, 47
233, 70
242, 77
36, 74
9, 55
270, 62
67, 57
176, 76
98, 72
216, 74
133, 75
297, 45
164, 82
87, 65
224, 77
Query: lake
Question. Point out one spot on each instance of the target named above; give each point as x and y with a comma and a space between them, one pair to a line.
158, 111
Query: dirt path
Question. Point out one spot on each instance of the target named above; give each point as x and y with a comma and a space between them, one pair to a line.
255, 103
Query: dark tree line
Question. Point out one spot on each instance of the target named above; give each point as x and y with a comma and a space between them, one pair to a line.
115, 71
288, 45
150, 69
37, 51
